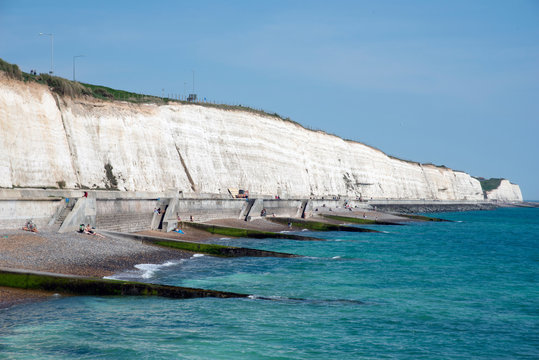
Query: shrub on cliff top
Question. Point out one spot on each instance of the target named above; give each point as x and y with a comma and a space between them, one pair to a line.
102, 93
490, 184
11, 70
63, 86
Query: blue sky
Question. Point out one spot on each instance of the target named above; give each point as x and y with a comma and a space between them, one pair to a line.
454, 83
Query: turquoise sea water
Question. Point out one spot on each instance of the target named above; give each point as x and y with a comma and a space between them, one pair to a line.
459, 290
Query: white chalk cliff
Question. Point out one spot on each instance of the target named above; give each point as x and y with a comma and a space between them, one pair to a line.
48, 140
505, 192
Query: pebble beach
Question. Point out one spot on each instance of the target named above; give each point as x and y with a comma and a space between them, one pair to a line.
81, 254
71, 253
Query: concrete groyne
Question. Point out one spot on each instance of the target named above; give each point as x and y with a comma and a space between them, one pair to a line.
317, 225
196, 247
79, 285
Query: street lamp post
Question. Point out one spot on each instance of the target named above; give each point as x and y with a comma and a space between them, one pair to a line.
74, 57
52, 51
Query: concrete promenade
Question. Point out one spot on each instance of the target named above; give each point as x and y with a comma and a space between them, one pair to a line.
65, 210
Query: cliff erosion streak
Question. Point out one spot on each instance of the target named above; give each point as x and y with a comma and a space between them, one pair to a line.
53, 141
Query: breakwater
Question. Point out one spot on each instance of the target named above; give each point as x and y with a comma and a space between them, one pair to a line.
78, 285
209, 249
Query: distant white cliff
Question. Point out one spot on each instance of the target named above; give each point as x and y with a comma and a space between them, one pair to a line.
505, 192
53, 141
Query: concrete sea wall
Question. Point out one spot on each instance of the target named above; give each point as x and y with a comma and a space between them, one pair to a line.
84, 143
15, 212
64, 210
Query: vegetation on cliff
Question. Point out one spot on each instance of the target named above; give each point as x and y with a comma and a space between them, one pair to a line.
489, 184
12, 71
70, 88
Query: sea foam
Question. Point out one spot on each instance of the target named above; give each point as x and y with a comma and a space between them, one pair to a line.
148, 270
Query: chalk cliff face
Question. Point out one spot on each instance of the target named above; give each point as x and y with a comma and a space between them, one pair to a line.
49, 140
505, 192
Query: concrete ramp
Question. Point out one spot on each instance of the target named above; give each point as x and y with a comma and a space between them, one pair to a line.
246, 209
302, 208
255, 210
84, 212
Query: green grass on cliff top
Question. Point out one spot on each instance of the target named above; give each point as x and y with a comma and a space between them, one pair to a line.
490, 184
70, 88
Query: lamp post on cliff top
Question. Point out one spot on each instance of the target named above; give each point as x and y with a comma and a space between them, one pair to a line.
52, 51
74, 57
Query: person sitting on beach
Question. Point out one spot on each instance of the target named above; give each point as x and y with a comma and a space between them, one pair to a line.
88, 230
30, 226
81, 228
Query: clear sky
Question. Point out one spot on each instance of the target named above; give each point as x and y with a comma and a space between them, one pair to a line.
454, 83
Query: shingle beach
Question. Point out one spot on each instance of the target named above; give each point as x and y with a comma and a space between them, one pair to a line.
72, 253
